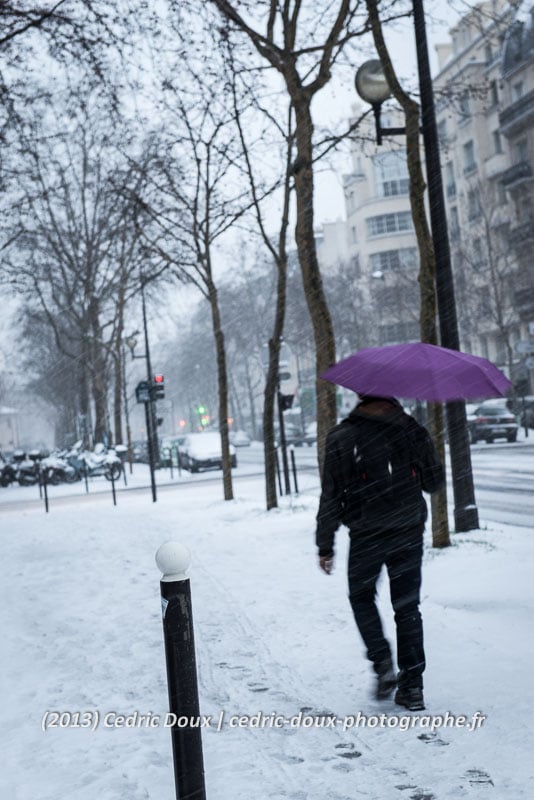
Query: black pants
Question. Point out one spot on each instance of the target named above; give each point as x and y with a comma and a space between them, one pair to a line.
401, 552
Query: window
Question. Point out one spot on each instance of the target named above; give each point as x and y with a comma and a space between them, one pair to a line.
470, 163
442, 132
389, 223
517, 91
352, 201
473, 204
391, 260
520, 151
391, 174
502, 197
494, 93
353, 234
454, 222
497, 142
478, 253
449, 179
464, 107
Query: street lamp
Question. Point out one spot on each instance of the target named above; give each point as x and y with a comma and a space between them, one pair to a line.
372, 87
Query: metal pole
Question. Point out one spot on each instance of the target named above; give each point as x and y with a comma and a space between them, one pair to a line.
153, 430
465, 509
294, 467
85, 476
280, 492
126, 412
150, 454
283, 444
45, 489
173, 560
113, 489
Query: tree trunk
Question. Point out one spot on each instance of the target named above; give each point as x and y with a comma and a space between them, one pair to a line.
98, 375
271, 386
323, 331
222, 382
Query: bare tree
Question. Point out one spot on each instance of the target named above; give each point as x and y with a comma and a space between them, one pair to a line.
191, 203
72, 244
303, 44
427, 261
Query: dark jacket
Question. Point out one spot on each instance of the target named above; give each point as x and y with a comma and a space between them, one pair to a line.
344, 501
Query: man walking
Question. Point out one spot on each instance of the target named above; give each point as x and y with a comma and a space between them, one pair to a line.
377, 463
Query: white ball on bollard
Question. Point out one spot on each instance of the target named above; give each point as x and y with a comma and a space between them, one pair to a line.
173, 559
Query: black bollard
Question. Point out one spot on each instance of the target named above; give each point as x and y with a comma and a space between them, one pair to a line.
85, 476
280, 492
294, 468
124, 474
45, 490
173, 559
113, 488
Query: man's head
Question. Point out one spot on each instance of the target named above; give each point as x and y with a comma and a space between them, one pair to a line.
366, 399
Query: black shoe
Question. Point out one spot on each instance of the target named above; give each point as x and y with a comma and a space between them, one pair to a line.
411, 697
386, 680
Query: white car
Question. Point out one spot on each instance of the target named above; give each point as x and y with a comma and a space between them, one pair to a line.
203, 451
240, 439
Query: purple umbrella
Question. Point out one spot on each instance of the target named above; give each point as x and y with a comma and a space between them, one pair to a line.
419, 371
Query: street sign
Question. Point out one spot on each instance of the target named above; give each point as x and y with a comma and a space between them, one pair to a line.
524, 346
142, 392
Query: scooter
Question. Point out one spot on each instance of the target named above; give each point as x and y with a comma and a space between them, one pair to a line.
27, 468
99, 462
8, 473
58, 470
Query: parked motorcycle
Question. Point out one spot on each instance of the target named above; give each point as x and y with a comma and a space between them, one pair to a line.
57, 469
98, 462
8, 473
27, 467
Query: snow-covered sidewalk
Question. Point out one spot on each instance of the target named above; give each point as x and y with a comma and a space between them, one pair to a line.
81, 623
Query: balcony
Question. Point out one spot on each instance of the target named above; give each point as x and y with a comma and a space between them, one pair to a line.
518, 116
524, 300
517, 174
522, 235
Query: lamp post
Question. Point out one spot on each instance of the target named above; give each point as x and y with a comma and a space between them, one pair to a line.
150, 416
372, 87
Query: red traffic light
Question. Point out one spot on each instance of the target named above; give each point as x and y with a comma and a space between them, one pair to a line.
159, 379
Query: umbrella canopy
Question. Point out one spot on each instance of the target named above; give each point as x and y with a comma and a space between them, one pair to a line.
419, 371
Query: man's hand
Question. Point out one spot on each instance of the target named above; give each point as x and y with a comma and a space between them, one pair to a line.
326, 563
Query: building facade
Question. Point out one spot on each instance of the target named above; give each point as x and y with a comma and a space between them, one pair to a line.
380, 234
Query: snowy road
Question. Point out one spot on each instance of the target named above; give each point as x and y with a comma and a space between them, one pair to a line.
503, 474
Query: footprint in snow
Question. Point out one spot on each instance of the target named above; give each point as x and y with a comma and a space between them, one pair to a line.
432, 738
349, 750
478, 777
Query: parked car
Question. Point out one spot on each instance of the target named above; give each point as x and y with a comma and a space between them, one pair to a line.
140, 451
490, 421
240, 439
203, 451
294, 434
310, 434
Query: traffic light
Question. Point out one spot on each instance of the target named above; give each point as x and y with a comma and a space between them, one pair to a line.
158, 387
286, 401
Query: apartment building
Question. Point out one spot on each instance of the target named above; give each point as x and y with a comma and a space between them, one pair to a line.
380, 235
484, 95
517, 128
